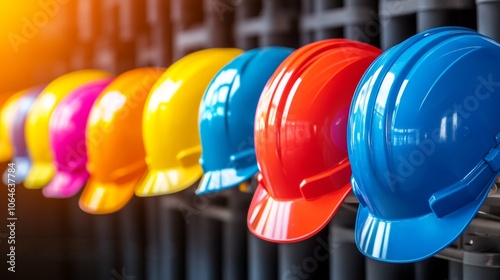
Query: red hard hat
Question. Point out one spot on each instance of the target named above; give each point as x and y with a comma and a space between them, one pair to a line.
300, 139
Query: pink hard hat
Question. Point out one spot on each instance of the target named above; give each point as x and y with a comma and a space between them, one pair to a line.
67, 140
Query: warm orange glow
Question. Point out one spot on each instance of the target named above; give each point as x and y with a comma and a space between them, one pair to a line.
11, 13
24, 44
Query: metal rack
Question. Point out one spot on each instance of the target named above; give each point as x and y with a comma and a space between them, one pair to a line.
266, 23
355, 20
401, 19
200, 24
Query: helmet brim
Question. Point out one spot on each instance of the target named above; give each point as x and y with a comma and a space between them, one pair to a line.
388, 240
65, 184
286, 221
223, 179
168, 181
39, 175
107, 197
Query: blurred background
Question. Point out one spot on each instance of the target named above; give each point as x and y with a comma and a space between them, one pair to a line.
41, 40
182, 236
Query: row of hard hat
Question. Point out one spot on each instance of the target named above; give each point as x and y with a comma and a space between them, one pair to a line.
412, 131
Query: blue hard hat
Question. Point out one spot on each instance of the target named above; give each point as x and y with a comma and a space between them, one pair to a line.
424, 142
226, 118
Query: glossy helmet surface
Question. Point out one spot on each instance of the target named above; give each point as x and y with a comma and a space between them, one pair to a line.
17, 135
170, 122
300, 139
37, 125
226, 118
115, 147
424, 142
67, 140
7, 116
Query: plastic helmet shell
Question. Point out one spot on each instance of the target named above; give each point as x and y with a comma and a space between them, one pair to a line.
37, 124
301, 115
424, 142
20, 156
67, 140
170, 122
226, 118
8, 113
115, 147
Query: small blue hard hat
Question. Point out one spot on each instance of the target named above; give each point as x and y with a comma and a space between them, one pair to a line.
226, 118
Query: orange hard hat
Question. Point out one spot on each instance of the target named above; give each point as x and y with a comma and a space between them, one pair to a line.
114, 142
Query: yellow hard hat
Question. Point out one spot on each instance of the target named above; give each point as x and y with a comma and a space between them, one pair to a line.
170, 122
114, 142
7, 116
37, 124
